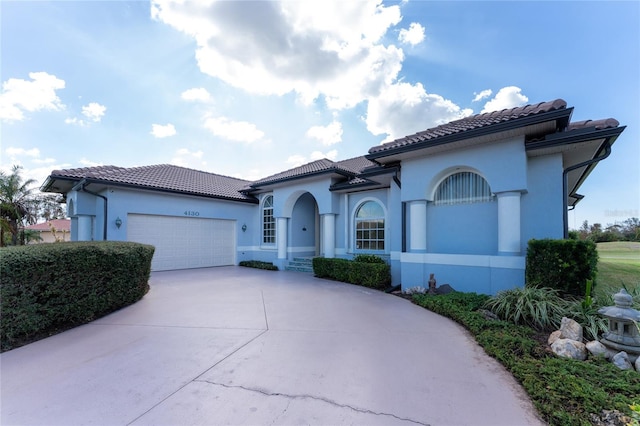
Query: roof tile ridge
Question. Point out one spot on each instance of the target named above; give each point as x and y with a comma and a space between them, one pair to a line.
602, 123
174, 166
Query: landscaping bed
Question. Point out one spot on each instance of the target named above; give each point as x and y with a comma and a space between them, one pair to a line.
564, 391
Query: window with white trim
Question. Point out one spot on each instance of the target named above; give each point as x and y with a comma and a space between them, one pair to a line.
462, 188
369, 222
268, 221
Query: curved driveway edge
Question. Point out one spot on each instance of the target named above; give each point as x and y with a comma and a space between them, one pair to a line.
234, 345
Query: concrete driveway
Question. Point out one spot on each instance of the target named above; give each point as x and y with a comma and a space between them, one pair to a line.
235, 345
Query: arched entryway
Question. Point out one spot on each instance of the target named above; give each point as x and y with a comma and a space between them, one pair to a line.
304, 229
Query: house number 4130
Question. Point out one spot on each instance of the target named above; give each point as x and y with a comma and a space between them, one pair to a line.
191, 213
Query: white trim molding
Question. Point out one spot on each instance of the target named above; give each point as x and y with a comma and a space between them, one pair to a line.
476, 260
509, 222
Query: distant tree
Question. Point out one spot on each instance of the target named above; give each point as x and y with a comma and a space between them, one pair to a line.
631, 229
584, 230
16, 201
48, 206
628, 230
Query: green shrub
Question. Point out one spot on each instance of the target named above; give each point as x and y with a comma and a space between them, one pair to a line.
258, 264
47, 288
539, 308
368, 258
564, 265
374, 275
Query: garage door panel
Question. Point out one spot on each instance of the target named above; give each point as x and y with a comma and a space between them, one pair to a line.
184, 242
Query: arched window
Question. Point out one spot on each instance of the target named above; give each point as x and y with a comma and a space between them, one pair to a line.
462, 187
370, 226
268, 221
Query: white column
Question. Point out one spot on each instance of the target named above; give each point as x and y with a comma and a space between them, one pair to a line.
84, 228
509, 222
329, 234
281, 237
417, 226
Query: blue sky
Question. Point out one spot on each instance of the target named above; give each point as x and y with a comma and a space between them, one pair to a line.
247, 89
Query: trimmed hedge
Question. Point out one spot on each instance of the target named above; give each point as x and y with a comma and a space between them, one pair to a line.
564, 265
48, 288
373, 275
258, 264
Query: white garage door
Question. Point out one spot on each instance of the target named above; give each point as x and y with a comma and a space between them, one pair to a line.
184, 242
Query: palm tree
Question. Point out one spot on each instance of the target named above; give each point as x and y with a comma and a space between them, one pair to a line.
16, 199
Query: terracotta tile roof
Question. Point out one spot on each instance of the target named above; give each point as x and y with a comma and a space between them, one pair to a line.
357, 164
59, 224
467, 124
347, 168
163, 177
606, 123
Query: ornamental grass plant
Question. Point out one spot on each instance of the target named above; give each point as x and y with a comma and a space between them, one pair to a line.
540, 308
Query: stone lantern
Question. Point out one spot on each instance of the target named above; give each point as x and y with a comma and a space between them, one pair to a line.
623, 334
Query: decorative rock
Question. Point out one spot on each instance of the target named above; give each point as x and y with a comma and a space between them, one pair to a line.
637, 364
571, 329
596, 348
444, 289
568, 348
488, 315
621, 360
554, 336
610, 418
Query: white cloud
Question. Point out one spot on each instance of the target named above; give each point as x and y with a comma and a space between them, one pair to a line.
482, 95
44, 161
327, 135
16, 152
89, 163
296, 160
191, 159
20, 96
94, 111
333, 50
196, 94
403, 109
163, 131
330, 48
331, 155
40, 174
76, 121
507, 97
414, 35
240, 131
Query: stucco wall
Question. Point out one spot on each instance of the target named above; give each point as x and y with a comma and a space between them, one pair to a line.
542, 204
463, 228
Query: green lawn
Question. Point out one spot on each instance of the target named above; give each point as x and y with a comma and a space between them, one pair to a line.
619, 264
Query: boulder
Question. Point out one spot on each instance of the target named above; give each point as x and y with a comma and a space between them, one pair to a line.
554, 336
621, 360
444, 289
568, 348
596, 348
637, 364
570, 329
488, 315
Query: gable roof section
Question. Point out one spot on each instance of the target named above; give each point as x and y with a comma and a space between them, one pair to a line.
347, 168
58, 224
476, 126
162, 177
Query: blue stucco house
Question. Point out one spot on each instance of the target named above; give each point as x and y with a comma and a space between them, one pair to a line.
460, 200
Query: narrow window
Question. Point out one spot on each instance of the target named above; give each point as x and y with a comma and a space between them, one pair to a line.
461, 188
268, 221
370, 226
